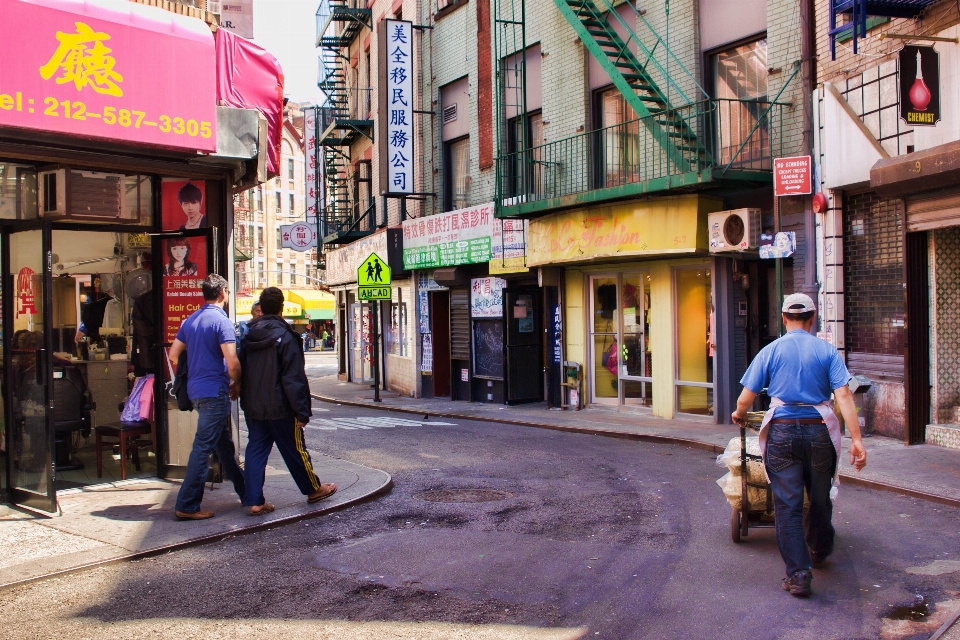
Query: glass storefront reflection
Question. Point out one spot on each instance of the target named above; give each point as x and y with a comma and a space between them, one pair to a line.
695, 341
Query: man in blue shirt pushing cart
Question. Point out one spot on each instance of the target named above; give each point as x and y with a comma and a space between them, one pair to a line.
800, 436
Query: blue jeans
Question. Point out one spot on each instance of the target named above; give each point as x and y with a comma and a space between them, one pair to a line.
262, 434
213, 435
801, 456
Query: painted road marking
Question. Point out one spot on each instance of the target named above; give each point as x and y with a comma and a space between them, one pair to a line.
369, 422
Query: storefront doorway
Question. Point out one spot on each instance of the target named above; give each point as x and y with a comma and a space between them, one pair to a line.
27, 361
621, 361
361, 343
71, 292
524, 350
696, 342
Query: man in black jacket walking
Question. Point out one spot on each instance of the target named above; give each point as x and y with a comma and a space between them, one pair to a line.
275, 398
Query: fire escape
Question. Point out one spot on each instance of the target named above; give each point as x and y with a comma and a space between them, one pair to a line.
856, 11
243, 243
682, 140
343, 120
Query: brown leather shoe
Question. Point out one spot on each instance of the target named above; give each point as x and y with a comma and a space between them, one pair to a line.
263, 509
196, 515
326, 490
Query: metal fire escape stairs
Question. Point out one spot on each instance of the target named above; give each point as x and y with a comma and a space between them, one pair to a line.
635, 78
339, 22
857, 12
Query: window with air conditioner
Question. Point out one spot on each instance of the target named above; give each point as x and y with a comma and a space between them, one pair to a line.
92, 195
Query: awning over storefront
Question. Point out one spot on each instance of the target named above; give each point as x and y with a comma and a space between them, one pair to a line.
291, 310
934, 168
116, 46
318, 305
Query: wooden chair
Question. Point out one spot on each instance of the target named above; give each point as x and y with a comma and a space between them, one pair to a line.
128, 436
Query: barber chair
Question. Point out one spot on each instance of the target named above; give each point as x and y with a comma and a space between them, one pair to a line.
72, 404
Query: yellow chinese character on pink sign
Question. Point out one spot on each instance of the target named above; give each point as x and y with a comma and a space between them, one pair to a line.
82, 58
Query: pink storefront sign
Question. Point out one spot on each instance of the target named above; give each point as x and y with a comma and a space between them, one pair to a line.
108, 69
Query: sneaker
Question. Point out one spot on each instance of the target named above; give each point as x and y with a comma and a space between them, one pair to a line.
817, 558
798, 584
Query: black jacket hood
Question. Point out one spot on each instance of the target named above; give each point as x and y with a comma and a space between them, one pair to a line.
266, 331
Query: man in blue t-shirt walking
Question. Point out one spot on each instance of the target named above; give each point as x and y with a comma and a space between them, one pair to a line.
213, 379
800, 437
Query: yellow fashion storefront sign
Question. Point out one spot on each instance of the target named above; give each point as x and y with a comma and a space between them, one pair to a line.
650, 227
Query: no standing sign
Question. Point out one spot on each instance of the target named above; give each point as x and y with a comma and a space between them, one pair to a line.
791, 176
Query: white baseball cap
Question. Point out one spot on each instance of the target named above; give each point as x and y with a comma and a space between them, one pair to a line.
798, 303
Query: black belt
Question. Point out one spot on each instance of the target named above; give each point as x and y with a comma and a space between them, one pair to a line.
797, 420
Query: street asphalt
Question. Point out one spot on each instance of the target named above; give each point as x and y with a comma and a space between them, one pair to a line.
502, 531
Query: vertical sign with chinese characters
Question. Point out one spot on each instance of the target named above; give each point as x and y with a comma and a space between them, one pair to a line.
310, 161
396, 107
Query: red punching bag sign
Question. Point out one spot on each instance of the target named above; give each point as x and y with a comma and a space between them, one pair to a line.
919, 86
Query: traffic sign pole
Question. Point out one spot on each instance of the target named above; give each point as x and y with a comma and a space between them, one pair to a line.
778, 265
791, 177
374, 279
376, 352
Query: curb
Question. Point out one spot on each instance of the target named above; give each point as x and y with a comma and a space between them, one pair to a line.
384, 489
849, 480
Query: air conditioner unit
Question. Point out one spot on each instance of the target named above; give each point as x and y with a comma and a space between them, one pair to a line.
53, 192
96, 195
87, 195
735, 230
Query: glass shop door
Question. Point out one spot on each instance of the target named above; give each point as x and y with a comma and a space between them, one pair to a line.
27, 366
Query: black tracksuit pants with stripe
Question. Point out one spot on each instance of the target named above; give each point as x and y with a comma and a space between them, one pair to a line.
289, 440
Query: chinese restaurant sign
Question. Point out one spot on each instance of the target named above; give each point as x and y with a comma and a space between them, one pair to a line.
184, 268
791, 176
448, 239
396, 102
140, 74
674, 225
919, 86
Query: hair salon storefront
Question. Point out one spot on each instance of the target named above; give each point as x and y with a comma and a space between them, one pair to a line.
638, 290
113, 208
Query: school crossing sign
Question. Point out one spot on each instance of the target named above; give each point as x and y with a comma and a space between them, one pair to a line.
374, 279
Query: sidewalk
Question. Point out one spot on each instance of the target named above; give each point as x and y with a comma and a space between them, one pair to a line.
131, 519
923, 471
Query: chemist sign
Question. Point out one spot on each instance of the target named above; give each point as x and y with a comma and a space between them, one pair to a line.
919, 86
791, 176
299, 237
396, 107
374, 278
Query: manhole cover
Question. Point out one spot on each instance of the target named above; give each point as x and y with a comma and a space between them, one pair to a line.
464, 495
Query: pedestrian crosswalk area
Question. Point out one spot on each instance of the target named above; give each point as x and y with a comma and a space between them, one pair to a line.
320, 423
